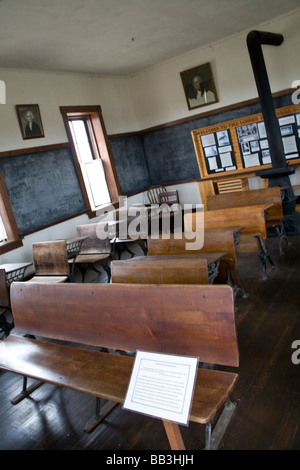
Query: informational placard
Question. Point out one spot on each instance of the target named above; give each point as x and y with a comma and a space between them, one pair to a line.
162, 385
241, 146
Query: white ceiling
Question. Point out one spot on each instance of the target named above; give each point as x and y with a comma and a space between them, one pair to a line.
120, 37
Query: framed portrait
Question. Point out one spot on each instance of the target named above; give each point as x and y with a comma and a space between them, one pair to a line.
199, 86
30, 121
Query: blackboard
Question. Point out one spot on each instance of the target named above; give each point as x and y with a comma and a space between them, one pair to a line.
42, 186
170, 154
167, 155
131, 165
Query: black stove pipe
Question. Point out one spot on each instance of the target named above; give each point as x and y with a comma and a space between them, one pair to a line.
254, 41
278, 175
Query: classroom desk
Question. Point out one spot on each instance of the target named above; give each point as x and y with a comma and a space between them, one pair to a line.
227, 217
213, 261
119, 245
236, 234
155, 217
14, 271
235, 230
73, 246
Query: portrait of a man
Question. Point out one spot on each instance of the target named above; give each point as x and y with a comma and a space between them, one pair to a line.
30, 121
199, 86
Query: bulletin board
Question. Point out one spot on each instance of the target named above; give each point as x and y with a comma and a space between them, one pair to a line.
241, 146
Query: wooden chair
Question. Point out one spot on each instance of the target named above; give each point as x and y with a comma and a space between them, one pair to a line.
160, 195
51, 262
153, 193
168, 208
93, 250
4, 303
168, 197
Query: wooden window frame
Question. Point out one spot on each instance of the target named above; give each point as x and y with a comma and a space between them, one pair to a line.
100, 141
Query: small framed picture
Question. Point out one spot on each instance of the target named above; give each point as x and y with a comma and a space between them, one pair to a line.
199, 86
30, 121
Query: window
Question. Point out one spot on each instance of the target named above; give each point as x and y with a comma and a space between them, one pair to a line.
3, 234
93, 161
90, 162
9, 233
80, 134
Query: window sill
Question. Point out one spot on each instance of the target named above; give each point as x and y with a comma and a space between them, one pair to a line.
110, 206
10, 245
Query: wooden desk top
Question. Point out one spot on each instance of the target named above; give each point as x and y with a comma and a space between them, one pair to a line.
127, 240
10, 267
210, 257
14, 271
73, 246
235, 230
75, 239
266, 205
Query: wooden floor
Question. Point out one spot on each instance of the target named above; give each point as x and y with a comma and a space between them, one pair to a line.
267, 394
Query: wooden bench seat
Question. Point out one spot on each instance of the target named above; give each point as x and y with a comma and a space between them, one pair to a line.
61, 345
272, 196
251, 218
214, 241
150, 270
103, 375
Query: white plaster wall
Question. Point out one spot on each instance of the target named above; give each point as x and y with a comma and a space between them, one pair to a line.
157, 92
52, 90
